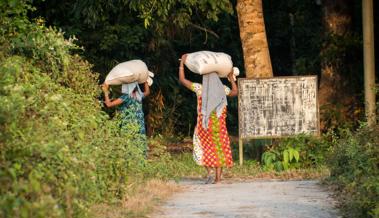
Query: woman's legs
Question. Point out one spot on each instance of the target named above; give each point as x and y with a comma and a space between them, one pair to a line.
209, 176
209, 171
218, 175
218, 172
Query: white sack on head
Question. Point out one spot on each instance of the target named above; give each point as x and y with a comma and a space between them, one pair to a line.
128, 72
204, 62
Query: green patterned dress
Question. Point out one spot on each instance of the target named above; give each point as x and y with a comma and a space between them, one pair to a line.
132, 115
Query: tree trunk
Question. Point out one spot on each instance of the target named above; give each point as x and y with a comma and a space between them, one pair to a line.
334, 94
369, 61
253, 38
337, 19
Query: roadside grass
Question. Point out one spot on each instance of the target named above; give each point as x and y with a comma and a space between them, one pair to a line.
140, 200
250, 170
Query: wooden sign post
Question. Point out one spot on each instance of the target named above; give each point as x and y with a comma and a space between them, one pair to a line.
277, 107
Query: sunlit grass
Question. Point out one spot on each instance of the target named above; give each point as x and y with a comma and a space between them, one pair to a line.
183, 166
140, 199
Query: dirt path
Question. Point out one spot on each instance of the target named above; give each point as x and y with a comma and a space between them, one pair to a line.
257, 199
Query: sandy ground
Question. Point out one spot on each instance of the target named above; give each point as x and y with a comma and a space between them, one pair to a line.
255, 199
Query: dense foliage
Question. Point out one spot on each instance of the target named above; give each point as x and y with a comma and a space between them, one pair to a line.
115, 31
160, 31
354, 164
59, 153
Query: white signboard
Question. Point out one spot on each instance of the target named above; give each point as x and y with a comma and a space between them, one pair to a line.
277, 107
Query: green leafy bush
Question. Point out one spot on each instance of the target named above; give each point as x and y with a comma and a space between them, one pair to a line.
59, 152
354, 164
301, 151
288, 158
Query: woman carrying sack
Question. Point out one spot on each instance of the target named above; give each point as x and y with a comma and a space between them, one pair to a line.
130, 103
211, 139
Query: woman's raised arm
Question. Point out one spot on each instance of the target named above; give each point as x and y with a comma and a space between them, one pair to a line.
234, 90
146, 90
108, 102
182, 78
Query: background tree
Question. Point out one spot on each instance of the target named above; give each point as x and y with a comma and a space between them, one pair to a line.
333, 92
253, 39
369, 61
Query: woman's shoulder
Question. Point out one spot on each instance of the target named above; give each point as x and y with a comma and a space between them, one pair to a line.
197, 87
227, 90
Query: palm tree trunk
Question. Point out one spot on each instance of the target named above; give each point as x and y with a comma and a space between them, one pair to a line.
253, 38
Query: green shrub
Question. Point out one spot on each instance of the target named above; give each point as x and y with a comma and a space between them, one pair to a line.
59, 152
284, 160
354, 165
297, 152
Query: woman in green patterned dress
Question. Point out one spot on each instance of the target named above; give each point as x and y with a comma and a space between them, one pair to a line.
130, 103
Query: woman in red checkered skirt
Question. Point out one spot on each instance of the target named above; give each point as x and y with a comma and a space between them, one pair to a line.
211, 139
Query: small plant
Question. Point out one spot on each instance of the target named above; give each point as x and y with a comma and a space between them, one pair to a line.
281, 160
302, 151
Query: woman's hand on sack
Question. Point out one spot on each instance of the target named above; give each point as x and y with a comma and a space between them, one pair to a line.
183, 59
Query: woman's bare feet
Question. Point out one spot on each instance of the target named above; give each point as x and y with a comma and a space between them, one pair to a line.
217, 181
209, 179
209, 175
218, 175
